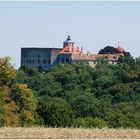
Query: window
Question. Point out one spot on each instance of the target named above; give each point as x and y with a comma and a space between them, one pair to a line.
49, 61
44, 61
67, 60
49, 57
38, 60
40, 68
38, 56
32, 61
62, 60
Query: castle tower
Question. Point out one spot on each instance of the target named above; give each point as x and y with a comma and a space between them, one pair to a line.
68, 42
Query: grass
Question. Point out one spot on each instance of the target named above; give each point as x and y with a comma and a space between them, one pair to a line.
67, 133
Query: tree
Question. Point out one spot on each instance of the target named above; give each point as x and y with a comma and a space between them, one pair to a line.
7, 73
86, 106
18, 104
55, 111
101, 62
29, 71
75, 95
26, 103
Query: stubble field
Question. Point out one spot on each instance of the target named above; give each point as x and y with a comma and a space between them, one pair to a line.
67, 133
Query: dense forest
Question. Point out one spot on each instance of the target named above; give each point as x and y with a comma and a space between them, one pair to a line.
71, 95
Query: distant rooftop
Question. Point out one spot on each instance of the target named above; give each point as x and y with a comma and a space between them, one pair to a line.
41, 48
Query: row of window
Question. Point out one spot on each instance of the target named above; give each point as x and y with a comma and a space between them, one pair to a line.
29, 56
64, 60
33, 56
38, 61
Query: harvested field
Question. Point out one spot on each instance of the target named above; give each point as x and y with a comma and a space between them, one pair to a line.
67, 133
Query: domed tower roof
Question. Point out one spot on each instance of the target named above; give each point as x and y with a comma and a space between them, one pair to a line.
68, 40
120, 49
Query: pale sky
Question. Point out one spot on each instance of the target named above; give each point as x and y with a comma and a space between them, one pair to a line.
92, 25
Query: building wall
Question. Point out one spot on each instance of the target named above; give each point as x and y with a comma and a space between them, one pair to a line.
64, 58
55, 57
42, 58
114, 62
91, 63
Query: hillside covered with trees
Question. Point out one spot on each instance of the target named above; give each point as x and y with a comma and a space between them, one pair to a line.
73, 95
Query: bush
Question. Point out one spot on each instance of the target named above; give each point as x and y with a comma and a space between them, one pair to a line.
55, 111
89, 122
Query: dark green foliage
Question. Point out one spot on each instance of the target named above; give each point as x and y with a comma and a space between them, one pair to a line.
29, 71
108, 50
86, 105
55, 111
74, 95
89, 122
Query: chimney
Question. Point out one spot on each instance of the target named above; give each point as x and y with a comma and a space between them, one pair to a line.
72, 49
81, 49
77, 49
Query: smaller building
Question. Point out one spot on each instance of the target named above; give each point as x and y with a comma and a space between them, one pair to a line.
73, 54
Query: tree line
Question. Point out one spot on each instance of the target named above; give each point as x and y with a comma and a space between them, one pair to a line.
71, 95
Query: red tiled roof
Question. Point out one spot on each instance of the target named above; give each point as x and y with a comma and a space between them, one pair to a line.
111, 57
70, 50
83, 57
120, 50
78, 55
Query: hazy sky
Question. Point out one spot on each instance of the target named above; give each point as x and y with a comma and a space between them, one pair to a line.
92, 25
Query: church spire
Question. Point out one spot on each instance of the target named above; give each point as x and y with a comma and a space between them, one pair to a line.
118, 44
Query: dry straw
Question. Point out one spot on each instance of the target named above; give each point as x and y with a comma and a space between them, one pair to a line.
67, 133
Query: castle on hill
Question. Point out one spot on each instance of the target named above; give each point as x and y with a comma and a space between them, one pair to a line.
45, 58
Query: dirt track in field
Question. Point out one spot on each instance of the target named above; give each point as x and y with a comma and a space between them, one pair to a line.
67, 133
